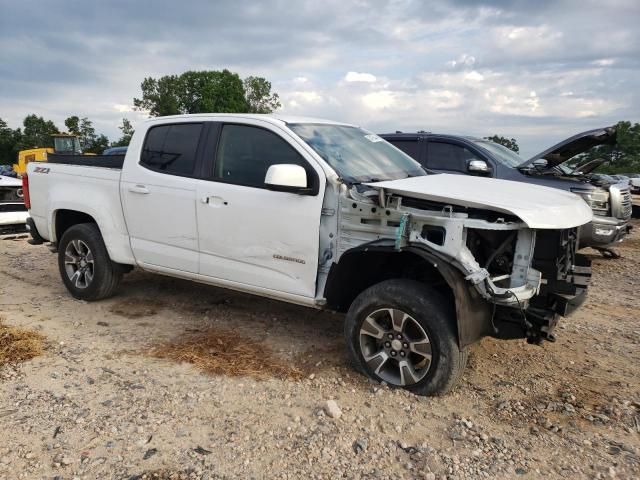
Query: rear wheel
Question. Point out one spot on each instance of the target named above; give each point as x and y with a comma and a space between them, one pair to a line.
403, 333
84, 263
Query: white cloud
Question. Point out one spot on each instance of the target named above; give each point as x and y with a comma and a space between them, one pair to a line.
464, 60
474, 76
307, 96
516, 40
379, 100
359, 77
122, 108
604, 62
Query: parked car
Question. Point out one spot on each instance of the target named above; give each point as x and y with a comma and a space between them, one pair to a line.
621, 179
325, 215
13, 213
115, 151
634, 181
610, 199
7, 171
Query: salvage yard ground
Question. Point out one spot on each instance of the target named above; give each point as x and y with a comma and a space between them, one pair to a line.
164, 381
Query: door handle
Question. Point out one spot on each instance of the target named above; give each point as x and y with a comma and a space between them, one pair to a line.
214, 201
139, 189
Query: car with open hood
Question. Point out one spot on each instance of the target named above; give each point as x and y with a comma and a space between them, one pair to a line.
326, 215
557, 167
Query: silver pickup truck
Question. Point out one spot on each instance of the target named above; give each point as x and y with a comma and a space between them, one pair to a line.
326, 215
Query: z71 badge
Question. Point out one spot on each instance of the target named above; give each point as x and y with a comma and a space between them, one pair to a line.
41, 170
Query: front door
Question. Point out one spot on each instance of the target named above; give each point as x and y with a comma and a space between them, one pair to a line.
251, 235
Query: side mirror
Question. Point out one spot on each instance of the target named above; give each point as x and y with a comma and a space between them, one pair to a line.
478, 166
286, 177
541, 163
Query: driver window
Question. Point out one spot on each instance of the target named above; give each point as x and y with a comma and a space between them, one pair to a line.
245, 154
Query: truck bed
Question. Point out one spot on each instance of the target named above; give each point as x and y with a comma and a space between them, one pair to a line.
90, 189
105, 161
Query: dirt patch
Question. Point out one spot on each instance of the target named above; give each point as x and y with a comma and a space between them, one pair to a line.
19, 344
164, 475
135, 308
222, 352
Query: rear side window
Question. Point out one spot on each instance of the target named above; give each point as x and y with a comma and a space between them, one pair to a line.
447, 156
245, 154
410, 147
172, 148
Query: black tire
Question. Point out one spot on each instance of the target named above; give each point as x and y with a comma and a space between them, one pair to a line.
425, 307
106, 274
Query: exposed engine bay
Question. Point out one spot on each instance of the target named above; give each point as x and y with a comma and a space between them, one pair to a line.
528, 276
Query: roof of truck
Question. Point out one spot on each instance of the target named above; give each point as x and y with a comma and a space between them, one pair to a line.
275, 118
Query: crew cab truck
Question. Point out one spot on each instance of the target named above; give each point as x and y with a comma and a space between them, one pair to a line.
326, 215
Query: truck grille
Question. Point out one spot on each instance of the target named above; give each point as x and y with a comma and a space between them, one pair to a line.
621, 205
627, 204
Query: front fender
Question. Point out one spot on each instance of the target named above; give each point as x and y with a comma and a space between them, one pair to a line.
473, 313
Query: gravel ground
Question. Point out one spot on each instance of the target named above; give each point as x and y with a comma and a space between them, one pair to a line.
97, 405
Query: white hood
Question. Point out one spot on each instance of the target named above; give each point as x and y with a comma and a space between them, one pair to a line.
539, 207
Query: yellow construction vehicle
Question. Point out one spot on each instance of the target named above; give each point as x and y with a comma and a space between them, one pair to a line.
62, 143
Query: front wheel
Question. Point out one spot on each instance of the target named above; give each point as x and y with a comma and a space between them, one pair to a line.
84, 263
403, 333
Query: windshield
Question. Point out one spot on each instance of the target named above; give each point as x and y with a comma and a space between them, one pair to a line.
357, 155
501, 153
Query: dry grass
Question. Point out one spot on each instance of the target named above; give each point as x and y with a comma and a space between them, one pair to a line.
18, 344
221, 352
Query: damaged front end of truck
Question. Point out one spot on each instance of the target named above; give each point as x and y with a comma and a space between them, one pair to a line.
505, 278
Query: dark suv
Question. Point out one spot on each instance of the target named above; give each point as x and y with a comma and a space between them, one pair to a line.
610, 200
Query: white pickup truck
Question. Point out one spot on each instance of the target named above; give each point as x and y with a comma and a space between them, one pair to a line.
326, 215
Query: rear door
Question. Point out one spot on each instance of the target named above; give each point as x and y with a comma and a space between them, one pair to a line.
411, 145
250, 235
159, 197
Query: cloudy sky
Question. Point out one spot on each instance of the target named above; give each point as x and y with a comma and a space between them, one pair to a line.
537, 71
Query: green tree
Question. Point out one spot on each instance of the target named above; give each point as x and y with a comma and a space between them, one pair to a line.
257, 92
73, 125
9, 139
511, 144
127, 132
159, 97
84, 130
205, 92
36, 133
211, 91
98, 145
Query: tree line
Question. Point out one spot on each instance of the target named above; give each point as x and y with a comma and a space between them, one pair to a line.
190, 92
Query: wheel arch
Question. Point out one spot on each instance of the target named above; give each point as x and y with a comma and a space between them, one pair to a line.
63, 219
367, 265
117, 244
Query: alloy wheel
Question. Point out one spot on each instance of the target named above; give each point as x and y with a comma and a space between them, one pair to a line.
79, 264
395, 347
